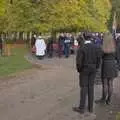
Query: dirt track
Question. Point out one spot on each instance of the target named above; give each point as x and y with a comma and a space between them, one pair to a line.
49, 94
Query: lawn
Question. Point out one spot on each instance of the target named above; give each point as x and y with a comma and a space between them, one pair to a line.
14, 63
118, 116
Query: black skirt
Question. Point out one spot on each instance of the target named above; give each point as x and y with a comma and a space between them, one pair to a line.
109, 69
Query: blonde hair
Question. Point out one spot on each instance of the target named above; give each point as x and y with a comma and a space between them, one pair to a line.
108, 43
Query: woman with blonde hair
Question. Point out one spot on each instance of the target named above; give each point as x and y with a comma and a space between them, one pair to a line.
109, 68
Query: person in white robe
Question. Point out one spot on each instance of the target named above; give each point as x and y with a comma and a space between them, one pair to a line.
40, 47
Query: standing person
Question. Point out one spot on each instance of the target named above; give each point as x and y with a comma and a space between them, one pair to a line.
1, 46
60, 44
33, 40
72, 39
67, 45
109, 68
80, 41
50, 48
76, 44
87, 62
40, 47
98, 40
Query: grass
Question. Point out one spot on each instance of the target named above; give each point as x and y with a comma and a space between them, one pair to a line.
14, 63
118, 116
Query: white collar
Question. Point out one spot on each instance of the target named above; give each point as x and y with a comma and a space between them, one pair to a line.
87, 42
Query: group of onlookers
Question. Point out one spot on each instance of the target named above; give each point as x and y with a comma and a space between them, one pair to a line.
64, 45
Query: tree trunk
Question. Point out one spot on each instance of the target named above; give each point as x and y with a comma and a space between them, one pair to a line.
114, 21
15, 36
21, 36
54, 35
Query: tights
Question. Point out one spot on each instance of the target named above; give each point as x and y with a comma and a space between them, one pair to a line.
107, 89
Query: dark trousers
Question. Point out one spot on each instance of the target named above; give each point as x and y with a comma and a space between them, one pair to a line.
67, 51
87, 89
50, 53
60, 50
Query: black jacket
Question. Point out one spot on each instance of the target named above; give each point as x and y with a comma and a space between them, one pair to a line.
88, 57
109, 65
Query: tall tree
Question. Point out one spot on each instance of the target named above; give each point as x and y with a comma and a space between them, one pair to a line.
115, 13
2, 7
56, 15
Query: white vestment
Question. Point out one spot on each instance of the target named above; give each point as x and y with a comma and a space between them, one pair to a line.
40, 47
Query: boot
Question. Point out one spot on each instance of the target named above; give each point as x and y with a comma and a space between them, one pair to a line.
108, 101
78, 109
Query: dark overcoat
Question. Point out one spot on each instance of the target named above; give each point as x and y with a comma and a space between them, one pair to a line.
87, 61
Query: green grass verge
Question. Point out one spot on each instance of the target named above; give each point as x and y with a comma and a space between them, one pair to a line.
118, 116
14, 63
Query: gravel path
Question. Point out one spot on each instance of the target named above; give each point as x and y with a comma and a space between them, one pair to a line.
49, 94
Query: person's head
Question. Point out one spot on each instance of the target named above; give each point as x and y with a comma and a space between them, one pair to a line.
34, 36
88, 36
97, 34
39, 37
108, 43
67, 35
93, 34
80, 40
62, 34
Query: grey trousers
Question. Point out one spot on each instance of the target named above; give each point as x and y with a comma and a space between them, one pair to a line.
83, 95
87, 78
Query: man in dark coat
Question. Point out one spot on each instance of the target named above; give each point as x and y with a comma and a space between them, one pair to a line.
33, 41
80, 40
87, 62
50, 48
60, 45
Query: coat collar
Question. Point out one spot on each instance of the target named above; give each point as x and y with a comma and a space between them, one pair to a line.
87, 42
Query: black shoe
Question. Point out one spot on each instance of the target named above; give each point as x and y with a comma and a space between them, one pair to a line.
77, 109
108, 102
101, 101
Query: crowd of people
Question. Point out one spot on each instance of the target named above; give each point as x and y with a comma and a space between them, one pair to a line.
61, 46
64, 45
